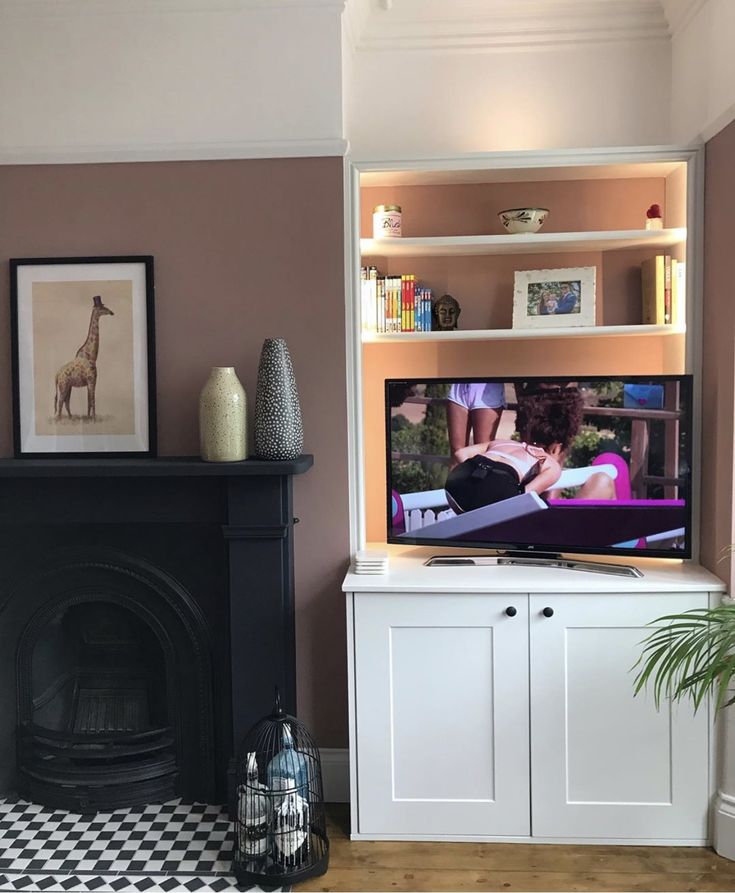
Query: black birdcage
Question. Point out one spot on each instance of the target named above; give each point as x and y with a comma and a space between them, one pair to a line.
280, 822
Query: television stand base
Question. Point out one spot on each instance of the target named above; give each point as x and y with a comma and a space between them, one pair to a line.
542, 560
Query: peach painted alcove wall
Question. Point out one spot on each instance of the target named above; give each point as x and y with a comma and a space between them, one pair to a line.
238, 258
573, 356
484, 287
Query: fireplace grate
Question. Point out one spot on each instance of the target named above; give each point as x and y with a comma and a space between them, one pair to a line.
97, 770
111, 710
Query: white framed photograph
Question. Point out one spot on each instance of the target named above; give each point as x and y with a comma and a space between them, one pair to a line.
554, 299
97, 399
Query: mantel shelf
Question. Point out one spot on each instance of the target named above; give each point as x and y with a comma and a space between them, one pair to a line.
166, 466
525, 334
526, 243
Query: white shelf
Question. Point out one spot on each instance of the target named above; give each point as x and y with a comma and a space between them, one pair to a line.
502, 334
526, 243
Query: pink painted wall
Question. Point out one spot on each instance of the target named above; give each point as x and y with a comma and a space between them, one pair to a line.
240, 255
718, 359
574, 205
484, 285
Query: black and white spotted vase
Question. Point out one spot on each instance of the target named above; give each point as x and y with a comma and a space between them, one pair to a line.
279, 433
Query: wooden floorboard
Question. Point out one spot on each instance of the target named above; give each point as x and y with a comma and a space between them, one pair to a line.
373, 866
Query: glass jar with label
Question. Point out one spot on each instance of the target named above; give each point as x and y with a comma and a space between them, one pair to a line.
386, 221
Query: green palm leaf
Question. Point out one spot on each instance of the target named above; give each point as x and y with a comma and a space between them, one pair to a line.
690, 655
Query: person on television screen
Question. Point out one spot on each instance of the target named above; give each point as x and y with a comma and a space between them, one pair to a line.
550, 414
499, 469
473, 409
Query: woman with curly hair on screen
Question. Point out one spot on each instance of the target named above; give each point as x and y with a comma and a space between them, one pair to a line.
550, 414
549, 417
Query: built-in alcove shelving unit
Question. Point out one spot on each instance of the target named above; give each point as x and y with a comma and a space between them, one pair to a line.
518, 679
454, 243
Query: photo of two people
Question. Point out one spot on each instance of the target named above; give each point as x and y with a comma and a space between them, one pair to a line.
554, 298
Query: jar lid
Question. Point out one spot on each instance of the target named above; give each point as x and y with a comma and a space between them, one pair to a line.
378, 208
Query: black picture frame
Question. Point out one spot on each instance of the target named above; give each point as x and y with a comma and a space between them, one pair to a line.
71, 280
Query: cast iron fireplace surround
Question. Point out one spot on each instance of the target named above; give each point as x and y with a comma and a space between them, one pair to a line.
146, 614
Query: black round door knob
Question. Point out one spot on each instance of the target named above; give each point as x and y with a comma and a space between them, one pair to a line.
548, 612
511, 611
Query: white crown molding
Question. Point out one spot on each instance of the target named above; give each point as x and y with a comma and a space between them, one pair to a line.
681, 13
354, 21
70, 8
475, 25
533, 158
174, 152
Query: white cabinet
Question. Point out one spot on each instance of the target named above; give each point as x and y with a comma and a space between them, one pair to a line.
442, 714
471, 722
604, 763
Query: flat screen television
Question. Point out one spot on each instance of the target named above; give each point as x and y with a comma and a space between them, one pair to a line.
594, 465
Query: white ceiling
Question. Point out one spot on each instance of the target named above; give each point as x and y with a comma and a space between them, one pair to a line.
481, 25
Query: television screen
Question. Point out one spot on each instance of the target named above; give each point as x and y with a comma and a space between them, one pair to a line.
593, 465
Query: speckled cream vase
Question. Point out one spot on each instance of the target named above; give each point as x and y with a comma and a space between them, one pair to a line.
223, 435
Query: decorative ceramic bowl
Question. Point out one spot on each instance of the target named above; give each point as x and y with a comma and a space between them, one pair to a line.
523, 220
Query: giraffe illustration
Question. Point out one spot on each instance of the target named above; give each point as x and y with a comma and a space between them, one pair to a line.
81, 372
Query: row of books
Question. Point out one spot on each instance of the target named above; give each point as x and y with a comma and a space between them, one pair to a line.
663, 281
394, 303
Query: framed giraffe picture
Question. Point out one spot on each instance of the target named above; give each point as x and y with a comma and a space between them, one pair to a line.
83, 356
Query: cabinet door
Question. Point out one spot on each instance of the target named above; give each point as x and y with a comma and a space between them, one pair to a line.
603, 762
442, 714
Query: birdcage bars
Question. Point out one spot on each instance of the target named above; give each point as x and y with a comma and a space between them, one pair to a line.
280, 821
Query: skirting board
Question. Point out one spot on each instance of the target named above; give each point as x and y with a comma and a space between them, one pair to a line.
335, 774
557, 841
724, 825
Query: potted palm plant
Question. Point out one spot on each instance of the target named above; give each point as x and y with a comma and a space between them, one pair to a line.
691, 656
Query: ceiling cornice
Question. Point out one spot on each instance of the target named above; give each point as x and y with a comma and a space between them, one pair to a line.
478, 25
680, 13
355, 21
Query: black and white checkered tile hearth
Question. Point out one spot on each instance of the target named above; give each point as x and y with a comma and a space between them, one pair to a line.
168, 847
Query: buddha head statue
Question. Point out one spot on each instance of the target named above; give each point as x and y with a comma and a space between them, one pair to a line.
445, 314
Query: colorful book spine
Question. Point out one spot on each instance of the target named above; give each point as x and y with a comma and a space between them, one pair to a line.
404, 303
390, 322
653, 291
393, 304
678, 289
364, 299
373, 298
396, 305
380, 302
667, 289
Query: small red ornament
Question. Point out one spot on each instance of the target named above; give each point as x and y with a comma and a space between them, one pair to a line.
653, 211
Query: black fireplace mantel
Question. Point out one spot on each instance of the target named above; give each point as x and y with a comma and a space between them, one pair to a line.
168, 466
222, 531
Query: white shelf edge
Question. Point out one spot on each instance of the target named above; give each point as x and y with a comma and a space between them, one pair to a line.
607, 240
502, 334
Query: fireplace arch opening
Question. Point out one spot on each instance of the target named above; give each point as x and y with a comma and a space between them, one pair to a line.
114, 694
